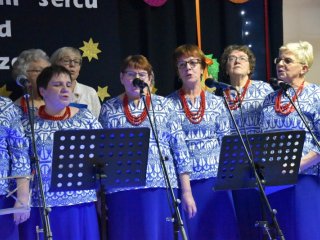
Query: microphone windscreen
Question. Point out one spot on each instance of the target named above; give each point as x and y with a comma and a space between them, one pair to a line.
137, 82
22, 80
273, 82
210, 82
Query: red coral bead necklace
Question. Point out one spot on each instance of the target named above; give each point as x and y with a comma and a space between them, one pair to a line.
234, 102
44, 115
135, 120
287, 108
195, 117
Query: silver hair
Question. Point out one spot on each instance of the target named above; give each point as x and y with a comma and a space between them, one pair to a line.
59, 53
20, 66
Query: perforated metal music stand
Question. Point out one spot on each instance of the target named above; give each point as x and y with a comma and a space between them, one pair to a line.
100, 159
78, 155
276, 156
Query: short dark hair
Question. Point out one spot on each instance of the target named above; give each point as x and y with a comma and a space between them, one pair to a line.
47, 73
241, 48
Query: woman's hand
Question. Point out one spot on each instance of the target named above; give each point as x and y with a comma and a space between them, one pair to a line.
20, 217
188, 203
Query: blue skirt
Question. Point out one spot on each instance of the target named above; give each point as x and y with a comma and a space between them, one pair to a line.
249, 209
68, 222
215, 218
298, 209
139, 214
8, 229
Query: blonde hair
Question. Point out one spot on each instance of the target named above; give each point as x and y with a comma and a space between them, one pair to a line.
302, 50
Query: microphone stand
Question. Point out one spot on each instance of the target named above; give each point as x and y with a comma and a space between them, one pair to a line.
259, 182
301, 116
176, 219
35, 159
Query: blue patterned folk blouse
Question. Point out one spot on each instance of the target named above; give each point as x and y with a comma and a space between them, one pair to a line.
203, 139
14, 158
251, 107
44, 133
170, 135
309, 102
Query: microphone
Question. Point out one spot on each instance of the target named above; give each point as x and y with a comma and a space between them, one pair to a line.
22, 81
279, 83
137, 82
210, 83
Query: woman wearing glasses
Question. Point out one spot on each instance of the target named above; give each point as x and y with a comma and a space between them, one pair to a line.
83, 96
205, 121
237, 64
141, 212
298, 206
30, 64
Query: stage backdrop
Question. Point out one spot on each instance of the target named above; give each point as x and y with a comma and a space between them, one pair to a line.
106, 31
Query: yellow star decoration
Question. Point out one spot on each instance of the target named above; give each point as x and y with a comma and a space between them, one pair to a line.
90, 49
4, 92
154, 90
103, 93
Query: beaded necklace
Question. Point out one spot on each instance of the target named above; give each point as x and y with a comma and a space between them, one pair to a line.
234, 102
287, 108
23, 104
44, 115
135, 120
196, 117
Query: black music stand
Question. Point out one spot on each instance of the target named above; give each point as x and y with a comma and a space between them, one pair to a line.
275, 156
115, 157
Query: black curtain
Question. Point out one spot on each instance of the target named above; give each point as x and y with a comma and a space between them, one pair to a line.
123, 27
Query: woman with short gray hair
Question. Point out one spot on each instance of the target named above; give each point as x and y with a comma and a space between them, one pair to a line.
29, 64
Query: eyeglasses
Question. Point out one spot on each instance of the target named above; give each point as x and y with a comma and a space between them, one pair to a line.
192, 63
67, 61
241, 59
133, 74
285, 60
37, 71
